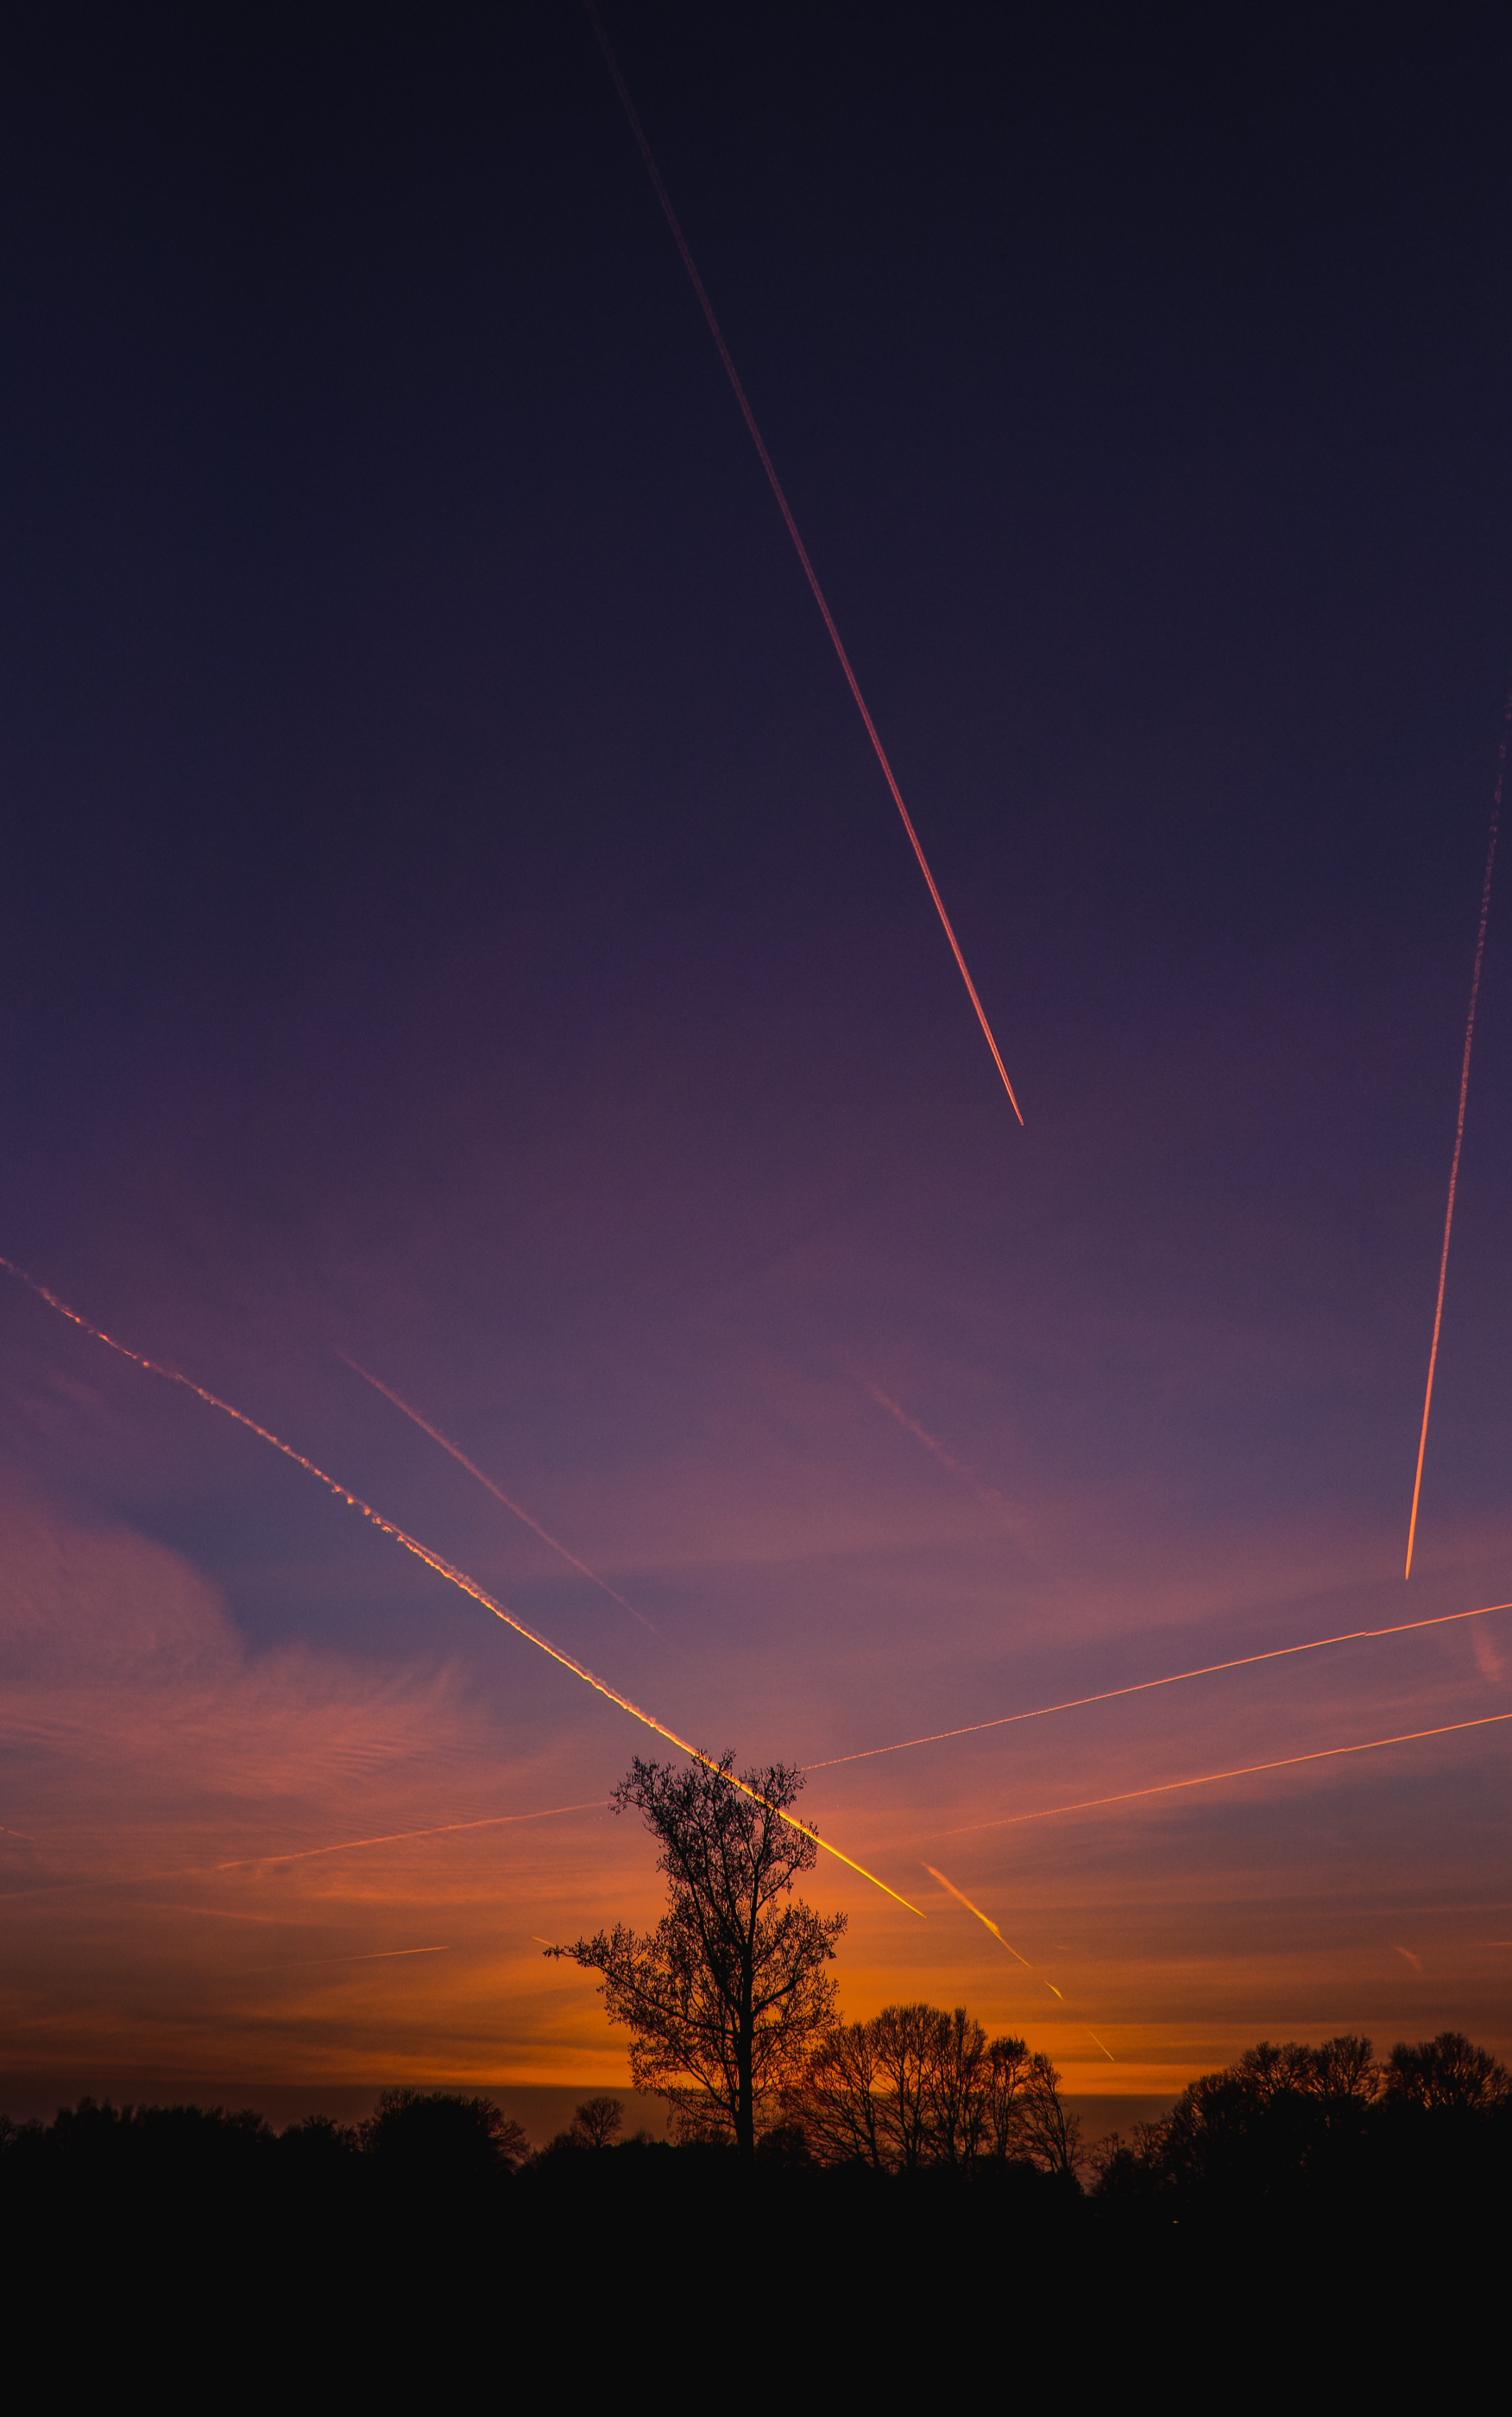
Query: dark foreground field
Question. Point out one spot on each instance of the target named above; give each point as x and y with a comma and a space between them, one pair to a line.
199, 2253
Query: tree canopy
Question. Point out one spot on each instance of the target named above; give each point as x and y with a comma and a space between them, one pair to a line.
915, 2085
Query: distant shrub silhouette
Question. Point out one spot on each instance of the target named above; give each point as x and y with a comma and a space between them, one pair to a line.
593, 2125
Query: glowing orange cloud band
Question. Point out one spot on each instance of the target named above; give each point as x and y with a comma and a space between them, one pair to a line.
799, 546
961, 1898
442, 1568
1459, 1126
1174, 1679
1209, 1778
497, 1491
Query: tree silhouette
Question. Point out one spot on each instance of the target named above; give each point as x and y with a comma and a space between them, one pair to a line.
915, 2085
420, 2134
596, 2121
1449, 2071
725, 1997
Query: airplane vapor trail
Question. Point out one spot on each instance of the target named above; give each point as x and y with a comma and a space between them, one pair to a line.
961, 1898
1173, 1679
932, 1444
442, 1568
497, 1491
1208, 1778
1460, 1125
290, 1855
392, 1837
799, 546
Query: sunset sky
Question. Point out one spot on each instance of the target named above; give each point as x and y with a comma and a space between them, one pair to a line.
453, 922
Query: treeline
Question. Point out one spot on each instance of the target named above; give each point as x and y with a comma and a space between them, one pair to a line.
1317, 2125
915, 2090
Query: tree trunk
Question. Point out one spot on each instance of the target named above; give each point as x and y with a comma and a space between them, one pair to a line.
746, 2096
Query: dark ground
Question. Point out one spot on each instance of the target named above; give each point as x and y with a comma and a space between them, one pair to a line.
188, 2249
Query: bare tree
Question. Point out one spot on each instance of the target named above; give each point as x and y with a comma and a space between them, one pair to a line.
1009, 2064
596, 2121
1448, 2071
837, 2105
1345, 2068
959, 2098
915, 2085
725, 1997
1051, 2134
907, 2041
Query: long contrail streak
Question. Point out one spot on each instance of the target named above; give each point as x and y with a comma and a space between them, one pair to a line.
497, 1491
1174, 1679
961, 1898
1208, 1778
442, 1568
799, 546
392, 1837
1460, 1125
294, 1854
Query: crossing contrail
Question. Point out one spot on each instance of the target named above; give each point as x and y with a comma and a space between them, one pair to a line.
799, 546
436, 1561
1172, 1679
1210, 1778
1460, 1125
497, 1491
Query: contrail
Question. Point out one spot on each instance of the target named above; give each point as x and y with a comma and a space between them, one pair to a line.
1246, 1770
497, 1491
799, 547
392, 1837
291, 1855
961, 1898
932, 1444
1174, 1679
1460, 1124
385, 1954
959, 1894
442, 1568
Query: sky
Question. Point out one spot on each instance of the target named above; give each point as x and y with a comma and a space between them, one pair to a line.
454, 923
